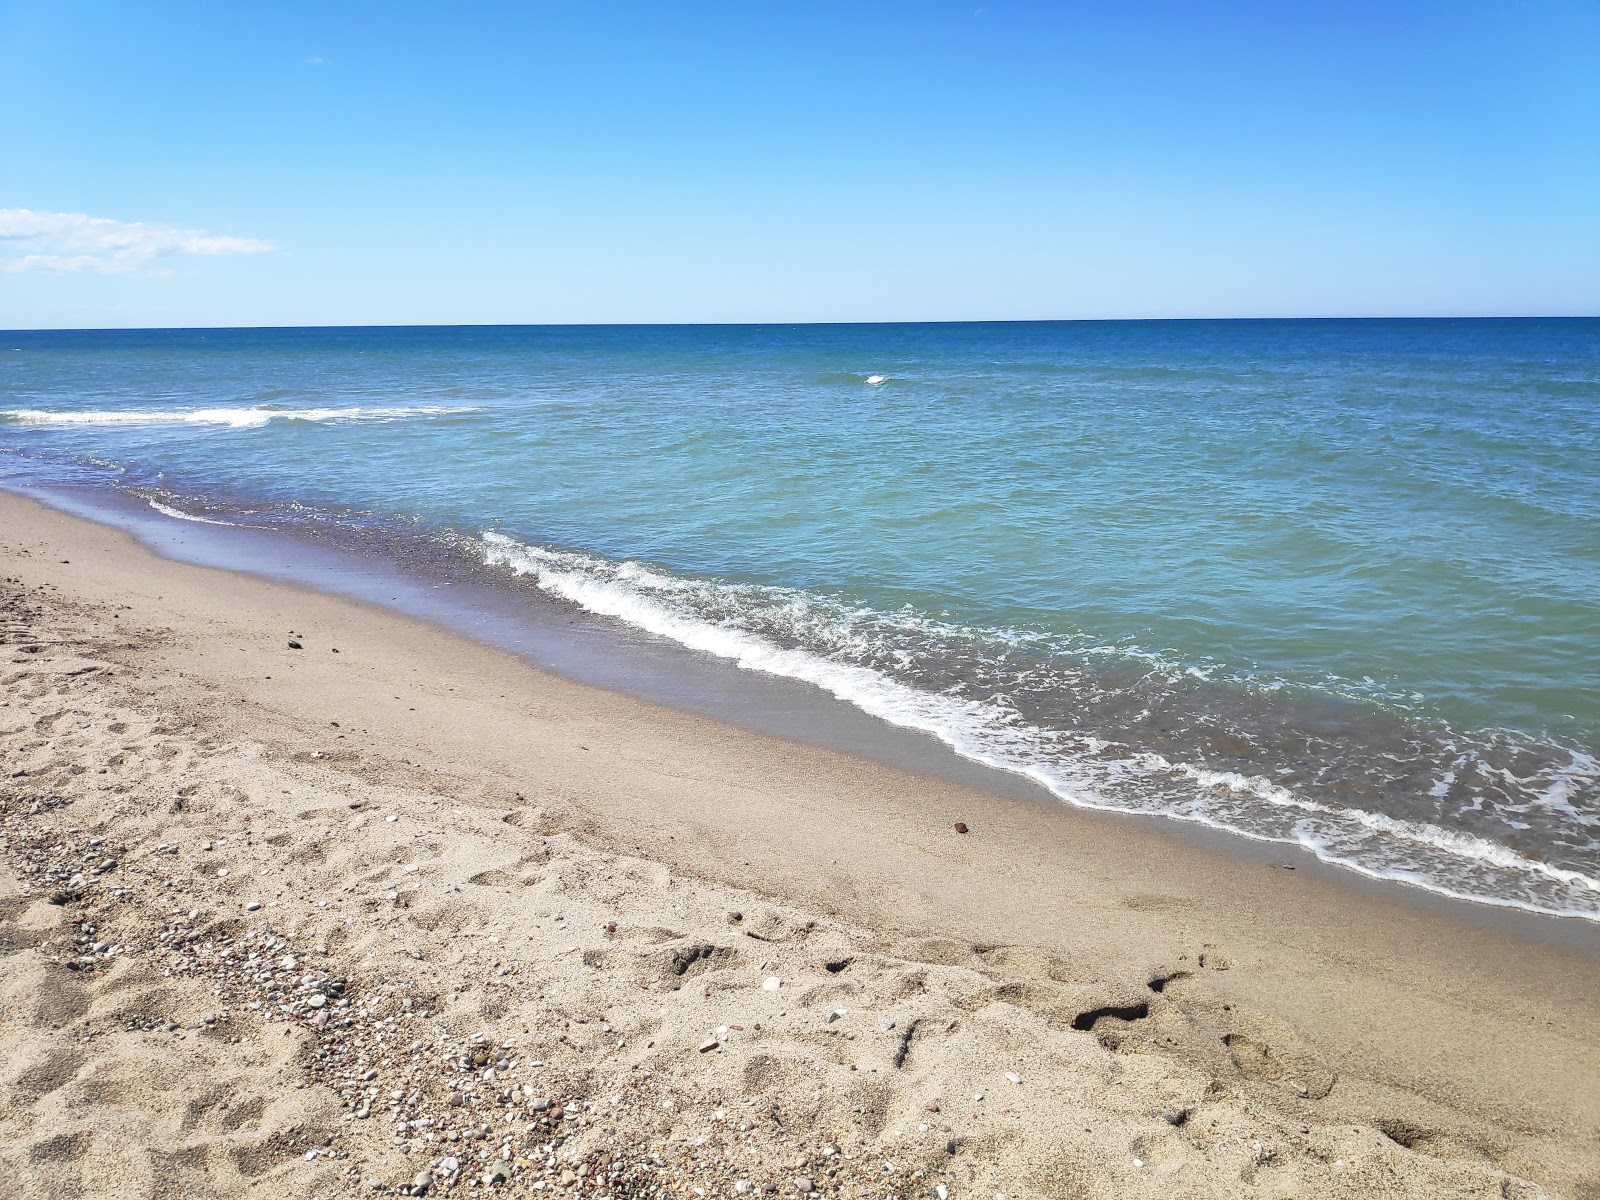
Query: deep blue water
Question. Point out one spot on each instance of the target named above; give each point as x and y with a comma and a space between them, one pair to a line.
1330, 582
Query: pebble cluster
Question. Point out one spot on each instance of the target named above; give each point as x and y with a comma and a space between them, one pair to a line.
468, 1110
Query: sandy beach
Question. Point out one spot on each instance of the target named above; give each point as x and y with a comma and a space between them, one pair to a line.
299, 897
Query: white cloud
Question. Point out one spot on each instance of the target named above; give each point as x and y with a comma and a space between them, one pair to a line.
64, 242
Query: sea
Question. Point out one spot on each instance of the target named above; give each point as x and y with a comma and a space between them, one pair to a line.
1328, 583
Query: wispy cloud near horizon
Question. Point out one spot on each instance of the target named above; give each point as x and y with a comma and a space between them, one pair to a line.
70, 242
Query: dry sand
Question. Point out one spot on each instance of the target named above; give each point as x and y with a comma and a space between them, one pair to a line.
291, 922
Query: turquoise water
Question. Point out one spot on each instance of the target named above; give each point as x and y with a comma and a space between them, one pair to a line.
1328, 582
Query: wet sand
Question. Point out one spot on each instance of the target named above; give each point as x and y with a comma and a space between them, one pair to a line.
560, 875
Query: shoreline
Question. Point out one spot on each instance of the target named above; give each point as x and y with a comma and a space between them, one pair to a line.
598, 651
1451, 1051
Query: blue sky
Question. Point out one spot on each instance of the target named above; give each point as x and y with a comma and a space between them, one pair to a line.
342, 163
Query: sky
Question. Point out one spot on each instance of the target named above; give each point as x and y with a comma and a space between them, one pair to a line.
167, 164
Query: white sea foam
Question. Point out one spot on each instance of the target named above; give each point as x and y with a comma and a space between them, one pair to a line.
1082, 770
183, 516
235, 417
875, 380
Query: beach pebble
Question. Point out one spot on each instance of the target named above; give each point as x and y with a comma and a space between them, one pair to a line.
222, 872
1014, 1077
317, 1001
420, 1183
885, 1024
772, 983
253, 906
961, 827
804, 1186
391, 818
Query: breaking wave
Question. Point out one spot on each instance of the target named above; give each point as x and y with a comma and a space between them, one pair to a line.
876, 661
168, 510
233, 417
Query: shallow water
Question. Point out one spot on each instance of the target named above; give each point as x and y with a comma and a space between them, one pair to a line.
1333, 583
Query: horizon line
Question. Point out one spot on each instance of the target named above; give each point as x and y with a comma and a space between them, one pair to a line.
789, 324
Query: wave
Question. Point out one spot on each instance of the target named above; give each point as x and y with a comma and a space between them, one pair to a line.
252, 417
168, 510
869, 659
